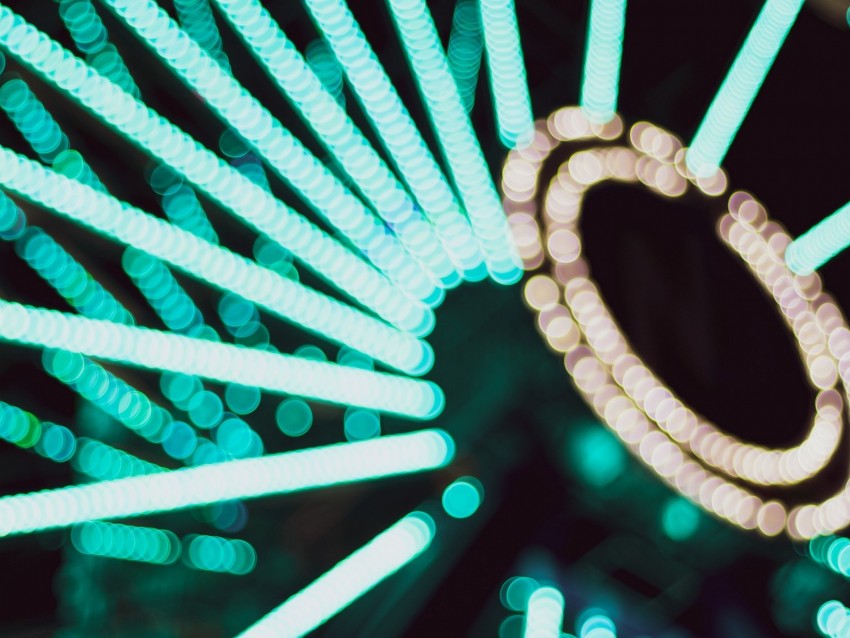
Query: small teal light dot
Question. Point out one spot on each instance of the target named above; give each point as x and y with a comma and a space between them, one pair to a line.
242, 399
516, 592
361, 424
680, 519
311, 352
462, 498
294, 417
205, 409
180, 440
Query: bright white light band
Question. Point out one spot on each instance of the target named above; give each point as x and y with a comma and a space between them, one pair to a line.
457, 139
604, 51
223, 183
283, 151
545, 614
243, 479
820, 243
397, 132
226, 363
288, 299
741, 85
508, 80
370, 175
348, 580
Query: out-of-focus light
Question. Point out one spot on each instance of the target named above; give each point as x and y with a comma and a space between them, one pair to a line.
545, 614
462, 498
833, 620
508, 81
454, 131
594, 623
516, 591
465, 50
603, 53
398, 133
348, 580
217, 554
820, 243
294, 417
679, 519
126, 542
196, 18
222, 362
241, 479
741, 85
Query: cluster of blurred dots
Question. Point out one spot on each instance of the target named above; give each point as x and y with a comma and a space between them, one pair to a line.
507, 72
833, 620
326, 67
180, 203
216, 554
126, 542
463, 497
520, 592
465, 50
196, 18
30, 117
92, 38
455, 135
399, 134
831, 551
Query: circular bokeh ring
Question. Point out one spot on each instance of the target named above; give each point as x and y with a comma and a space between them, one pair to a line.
544, 185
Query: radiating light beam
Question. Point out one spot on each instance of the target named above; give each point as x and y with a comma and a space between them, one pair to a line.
397, 132
820, 243
457, 139
289, 158
603, 54
243, 479
126, 542
545, 614
348, 580
331, 124
740, 87
213, 264
226, 363
209, 173
508, 81
465, 50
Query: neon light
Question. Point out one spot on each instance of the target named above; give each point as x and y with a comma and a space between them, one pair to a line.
326, 67
545, 614
397, 132
593, 624
349, 579
104, 462
833, 620
222, 362
32, 120
241, 479
465, 49
462, 498
508, 80
218, 266
222, 555
338, 133
288, 156
126, 542
820, 243
196, 18
454, 131
13, 222
604, 51
705, 464
232, 190
741, 85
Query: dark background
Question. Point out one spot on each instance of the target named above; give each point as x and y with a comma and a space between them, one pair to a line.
549, 512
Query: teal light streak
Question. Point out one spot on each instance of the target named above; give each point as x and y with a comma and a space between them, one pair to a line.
196, 18
213, 264
232, 190
820, 243
326, 67
348, 580
126, 542
508, 81
221, 362
603, 54
545, 614
103, 462
398, 133
287, 155
741, 85
241, 479
465, 49
462, 498
457, 139
32, 120
331, 124
217, 554
833, 620
593, 623
13, 222
832, 552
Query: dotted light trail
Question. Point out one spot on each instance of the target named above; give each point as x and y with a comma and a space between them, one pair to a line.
457, 139
126, 542
545, 614
348, 580
833, 620
601, 82
249, 478
508, 80
329, 121
226, 363
288, 299
741, 85
465, 50
398, 133
820, 243
220, 181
